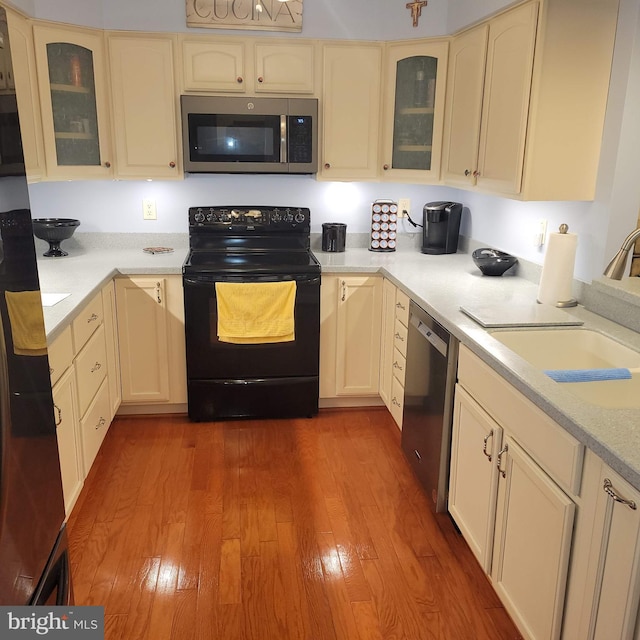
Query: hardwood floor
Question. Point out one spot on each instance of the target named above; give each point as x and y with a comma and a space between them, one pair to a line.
271, 530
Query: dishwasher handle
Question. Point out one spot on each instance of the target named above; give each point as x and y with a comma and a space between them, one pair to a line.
438, 343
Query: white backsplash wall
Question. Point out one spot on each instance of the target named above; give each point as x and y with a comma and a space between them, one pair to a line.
508, 225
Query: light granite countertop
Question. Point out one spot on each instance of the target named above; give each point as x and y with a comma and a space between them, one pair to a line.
439, 284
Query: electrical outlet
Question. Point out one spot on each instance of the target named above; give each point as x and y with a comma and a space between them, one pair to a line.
404, 207
149, 209
540, 233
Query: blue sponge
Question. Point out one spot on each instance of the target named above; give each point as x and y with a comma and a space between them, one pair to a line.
588, 375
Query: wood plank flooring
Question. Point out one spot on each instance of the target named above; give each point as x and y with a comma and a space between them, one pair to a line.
310, 529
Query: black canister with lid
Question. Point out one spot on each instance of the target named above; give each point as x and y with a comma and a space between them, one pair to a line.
334, 236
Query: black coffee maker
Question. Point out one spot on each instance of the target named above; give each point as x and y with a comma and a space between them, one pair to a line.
440, 227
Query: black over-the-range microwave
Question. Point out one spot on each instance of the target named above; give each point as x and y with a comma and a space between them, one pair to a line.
249, 135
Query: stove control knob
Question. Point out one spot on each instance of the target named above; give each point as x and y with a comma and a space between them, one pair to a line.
275, 215
299, 216
199, 217
289, 216
209, 217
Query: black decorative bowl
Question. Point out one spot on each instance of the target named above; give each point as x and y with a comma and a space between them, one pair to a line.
54, 231
493, 262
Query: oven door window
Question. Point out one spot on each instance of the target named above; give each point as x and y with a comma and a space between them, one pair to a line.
234, 138
209, 358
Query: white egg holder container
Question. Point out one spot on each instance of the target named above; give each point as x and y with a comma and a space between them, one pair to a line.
384, 226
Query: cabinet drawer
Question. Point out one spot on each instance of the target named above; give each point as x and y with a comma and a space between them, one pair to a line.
400, 337
397, 401
94, 425
91, 368
60, 355
402, 307
399, 366
87, 322
555, 450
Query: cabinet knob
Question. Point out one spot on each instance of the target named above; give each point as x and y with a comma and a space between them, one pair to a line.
172, 165
467, 172
107, 164
385, 167
476, 174
239, 80
260, 79
327, 165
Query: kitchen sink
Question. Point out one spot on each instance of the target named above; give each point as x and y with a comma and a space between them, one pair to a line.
568, 349
580, 349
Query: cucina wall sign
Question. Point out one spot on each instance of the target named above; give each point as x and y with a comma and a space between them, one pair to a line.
272, 15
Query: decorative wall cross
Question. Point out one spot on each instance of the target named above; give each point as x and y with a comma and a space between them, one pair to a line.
416, 9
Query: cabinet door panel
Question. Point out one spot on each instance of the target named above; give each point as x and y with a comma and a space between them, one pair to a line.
143, 96
534, 525
465, 86
386, 343
284, 68
351, 112
358, 335
506, 100
473, 483
142, 333
211, 66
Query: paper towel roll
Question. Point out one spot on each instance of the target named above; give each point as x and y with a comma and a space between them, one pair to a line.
557, 270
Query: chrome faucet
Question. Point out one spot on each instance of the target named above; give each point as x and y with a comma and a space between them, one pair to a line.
615, 269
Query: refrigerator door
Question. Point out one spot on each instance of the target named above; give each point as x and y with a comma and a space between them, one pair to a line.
31, 502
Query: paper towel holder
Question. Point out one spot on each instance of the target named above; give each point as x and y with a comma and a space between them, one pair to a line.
571, 302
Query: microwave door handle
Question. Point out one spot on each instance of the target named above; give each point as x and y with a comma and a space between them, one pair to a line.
283, 139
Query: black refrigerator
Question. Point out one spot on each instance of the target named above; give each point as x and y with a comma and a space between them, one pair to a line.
34, 559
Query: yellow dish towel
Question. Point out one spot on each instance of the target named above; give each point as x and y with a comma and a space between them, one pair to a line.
27, 322
256, 312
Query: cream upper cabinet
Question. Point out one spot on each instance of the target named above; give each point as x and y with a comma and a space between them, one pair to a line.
525, 113
284, 67
143, 96
214, 65
350, 111
74, 101
415, 79
27, 95
247, 66
487, 110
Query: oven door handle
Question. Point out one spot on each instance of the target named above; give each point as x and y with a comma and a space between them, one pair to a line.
207, 281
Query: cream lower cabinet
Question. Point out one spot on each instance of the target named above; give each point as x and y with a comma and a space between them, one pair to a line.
350, 111
350, 329
513, 471
144, 105
612, 593
111, 342
151, 340
386, 341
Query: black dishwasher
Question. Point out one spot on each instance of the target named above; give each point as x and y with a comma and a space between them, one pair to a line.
432, 358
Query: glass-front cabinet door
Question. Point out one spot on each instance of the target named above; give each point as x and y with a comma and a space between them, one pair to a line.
414, 111
74, 109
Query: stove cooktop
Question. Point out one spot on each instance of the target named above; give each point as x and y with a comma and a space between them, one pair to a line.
251, 261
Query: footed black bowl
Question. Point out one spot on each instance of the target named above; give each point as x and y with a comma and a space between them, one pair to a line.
493, 262
54, 231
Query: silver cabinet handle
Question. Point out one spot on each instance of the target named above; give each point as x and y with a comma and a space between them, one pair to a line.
92, 318
96, 367
344, 291
399, 305
59, 417
399, 337
101, 423
499, 460
398, 366
417, 455
611, 492
395, 401
484, 446
158, 291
